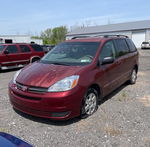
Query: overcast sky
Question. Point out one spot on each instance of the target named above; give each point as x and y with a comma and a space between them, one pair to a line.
34, 16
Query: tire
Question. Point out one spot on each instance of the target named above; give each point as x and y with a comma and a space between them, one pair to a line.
133, 77
35, 59
89, 103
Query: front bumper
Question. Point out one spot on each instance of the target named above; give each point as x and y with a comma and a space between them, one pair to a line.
56, 105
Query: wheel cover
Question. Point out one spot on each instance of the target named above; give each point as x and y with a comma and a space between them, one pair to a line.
90, 103
134, 76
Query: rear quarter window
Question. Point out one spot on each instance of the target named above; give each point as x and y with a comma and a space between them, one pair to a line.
131, 45
37, 48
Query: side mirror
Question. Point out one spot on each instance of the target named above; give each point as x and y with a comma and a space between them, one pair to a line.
107, 60
6, 52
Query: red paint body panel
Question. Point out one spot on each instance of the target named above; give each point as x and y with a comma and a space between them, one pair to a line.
48, 103
50, 74
107, 77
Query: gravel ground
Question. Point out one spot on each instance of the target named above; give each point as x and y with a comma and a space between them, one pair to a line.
122, 120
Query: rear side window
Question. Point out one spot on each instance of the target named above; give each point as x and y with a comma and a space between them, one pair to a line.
12, 49
37, 48
131, 45
1, 48
24, 48
122, 47
108, 50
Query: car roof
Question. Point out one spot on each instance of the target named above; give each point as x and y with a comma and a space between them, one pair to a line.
85, 40
95, 38
18, 44
11, 141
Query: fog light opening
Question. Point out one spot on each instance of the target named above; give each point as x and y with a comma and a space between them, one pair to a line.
60, 114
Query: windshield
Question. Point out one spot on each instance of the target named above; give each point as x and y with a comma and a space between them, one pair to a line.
72, 53
1, 48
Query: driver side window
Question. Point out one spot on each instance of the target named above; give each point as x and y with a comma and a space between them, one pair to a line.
108, 50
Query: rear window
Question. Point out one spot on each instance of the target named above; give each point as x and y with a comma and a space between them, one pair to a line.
37, 48
1, 48
122, 47
45, 48
145, 42
131, 45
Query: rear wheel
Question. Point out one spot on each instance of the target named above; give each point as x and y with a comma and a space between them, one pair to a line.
90, 103
133, 77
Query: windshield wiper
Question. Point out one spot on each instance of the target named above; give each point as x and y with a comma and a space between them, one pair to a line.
56, 63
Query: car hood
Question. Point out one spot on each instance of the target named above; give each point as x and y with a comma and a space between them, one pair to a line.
8, 140
45, 75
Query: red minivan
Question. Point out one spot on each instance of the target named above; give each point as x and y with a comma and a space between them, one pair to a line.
73, 77
18, 55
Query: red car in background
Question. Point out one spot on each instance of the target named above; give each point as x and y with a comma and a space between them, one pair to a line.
18, 55
71, 78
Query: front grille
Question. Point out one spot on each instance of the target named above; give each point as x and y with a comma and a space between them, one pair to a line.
31, 88
37, 89
19, 86
27, 97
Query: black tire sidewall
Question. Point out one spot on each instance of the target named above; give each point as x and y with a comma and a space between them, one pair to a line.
90, 90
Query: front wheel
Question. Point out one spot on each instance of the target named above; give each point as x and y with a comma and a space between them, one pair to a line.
90, 103
133, 77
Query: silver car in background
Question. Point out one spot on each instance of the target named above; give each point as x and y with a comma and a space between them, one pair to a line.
145, 45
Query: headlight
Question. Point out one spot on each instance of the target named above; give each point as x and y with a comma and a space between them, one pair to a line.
16, 75
65, 84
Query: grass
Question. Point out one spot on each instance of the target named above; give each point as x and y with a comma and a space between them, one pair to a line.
123, 97
112, 131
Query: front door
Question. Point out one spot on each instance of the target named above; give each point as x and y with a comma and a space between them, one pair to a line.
11, 57
110, 70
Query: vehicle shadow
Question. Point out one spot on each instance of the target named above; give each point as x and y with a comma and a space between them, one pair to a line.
112, 94
48, 121
9, 70
70, 121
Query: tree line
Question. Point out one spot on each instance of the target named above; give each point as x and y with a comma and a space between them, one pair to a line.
53, 36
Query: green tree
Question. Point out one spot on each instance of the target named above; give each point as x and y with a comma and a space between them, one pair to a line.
46, 36
36, 37
54, 36
58, 34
